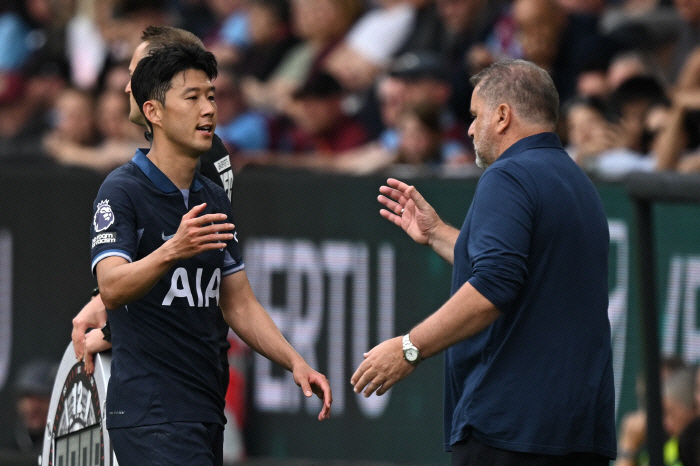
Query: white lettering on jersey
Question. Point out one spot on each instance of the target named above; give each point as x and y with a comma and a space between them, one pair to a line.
213, 287
180, 288
182, 291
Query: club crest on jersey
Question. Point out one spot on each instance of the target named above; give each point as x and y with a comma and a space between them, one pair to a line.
104, 216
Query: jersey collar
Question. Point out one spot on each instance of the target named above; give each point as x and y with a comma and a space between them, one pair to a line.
156, 176
540, 140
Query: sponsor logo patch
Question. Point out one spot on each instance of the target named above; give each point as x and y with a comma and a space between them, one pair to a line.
166, 238
104, 238
104, 217
222, 164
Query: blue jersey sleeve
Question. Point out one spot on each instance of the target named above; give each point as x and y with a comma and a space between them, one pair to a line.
113, 228
233, 259
499, 243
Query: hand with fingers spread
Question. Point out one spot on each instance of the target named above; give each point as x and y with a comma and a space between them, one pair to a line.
199, 233
314, 383
384, 365
406, 208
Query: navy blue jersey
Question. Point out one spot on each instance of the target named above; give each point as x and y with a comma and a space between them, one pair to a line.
165, 364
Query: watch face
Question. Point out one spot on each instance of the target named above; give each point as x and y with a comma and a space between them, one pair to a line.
411, 355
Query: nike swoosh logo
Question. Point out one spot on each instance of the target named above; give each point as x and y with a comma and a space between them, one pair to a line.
166, 238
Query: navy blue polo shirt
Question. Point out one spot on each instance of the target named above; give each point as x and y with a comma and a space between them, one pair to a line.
165, 345
535, 244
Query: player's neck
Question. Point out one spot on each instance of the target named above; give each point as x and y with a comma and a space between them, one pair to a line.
177, 165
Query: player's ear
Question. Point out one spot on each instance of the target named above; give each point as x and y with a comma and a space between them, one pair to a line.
152, 112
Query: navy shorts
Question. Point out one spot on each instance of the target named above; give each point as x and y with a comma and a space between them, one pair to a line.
471, 452
173, 443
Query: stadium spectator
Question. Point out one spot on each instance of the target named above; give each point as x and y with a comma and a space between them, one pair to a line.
678, 412
75, 126
229, 33
509, 277
118, 138
320, 126
321, 25
33, 391
421, 137
425, 80
679, 138
614, 139
270, 38
688, 35
556, 41
25, 118
370, 44
244, 132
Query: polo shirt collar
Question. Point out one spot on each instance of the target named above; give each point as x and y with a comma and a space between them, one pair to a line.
156, 176
550, 140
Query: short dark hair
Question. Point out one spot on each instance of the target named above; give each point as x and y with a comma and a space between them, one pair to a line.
523, 85
153, 75
158, 36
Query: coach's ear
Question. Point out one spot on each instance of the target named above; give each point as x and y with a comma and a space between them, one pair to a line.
152, 112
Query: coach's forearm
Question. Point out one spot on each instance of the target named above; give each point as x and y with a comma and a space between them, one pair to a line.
465, 314
122, 282
442, 239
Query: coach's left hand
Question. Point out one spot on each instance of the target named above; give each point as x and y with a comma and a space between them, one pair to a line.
312, 382
383, 366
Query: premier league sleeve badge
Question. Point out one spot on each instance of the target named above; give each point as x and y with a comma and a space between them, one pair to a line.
104, 216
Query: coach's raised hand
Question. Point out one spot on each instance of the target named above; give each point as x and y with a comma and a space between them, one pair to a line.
406, 208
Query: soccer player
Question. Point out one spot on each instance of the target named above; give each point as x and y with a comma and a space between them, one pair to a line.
215, 164
165, 259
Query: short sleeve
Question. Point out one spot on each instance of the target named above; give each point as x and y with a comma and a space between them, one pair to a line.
499, 242
113, 228
233, 259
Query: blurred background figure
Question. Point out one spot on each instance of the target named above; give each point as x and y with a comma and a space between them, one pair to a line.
244, 132
33, 388
320, 125
321, 26
370, 44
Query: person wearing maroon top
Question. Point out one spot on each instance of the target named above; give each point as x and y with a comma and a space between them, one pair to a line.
319, 122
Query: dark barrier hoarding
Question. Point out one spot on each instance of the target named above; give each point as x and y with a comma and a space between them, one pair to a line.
337, 278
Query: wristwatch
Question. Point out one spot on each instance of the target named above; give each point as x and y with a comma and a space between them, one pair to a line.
410, 352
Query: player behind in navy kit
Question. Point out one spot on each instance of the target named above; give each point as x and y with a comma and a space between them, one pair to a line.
165, 259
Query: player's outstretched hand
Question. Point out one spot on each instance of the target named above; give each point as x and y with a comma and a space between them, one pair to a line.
199, 233
94, 343
406, 208
92, 315
383, 366
312, 382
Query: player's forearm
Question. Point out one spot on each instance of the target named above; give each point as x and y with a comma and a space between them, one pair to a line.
442, 239
465, 314
124, 283
256, 328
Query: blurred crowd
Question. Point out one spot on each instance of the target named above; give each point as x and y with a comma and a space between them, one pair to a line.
680, 397
357, 85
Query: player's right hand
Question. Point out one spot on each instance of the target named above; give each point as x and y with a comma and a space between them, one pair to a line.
406, 208
199, 233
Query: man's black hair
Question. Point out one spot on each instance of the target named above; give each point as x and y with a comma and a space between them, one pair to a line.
153, 75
